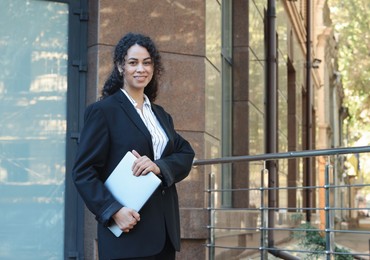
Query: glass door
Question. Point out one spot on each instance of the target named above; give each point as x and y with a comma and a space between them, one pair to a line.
33, 91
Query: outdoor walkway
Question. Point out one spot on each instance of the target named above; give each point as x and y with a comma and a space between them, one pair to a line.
356, 243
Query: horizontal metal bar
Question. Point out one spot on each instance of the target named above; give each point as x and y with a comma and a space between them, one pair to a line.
317, 208
292, 210
323, 252
258, 229
261, 208
290, 188
234, 209
267, 188
286, 155
236, 247
234, 228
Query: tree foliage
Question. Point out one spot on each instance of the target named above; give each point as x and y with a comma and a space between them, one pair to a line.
351, 20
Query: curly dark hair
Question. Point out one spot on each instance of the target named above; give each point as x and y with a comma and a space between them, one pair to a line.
115, 80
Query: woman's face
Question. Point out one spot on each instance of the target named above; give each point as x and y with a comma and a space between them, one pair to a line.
137, 69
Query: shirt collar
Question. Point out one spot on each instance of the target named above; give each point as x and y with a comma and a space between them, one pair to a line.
133, 102
146, 101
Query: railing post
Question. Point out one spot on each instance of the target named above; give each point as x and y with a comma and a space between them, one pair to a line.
329, 236
211, 231
264, 213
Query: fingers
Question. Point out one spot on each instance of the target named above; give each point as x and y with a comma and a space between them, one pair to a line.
137, 168
143, 165
137, 155
133, 217
126, 219
131, 222
136, 216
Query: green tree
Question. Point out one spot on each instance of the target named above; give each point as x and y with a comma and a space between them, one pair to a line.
351, 20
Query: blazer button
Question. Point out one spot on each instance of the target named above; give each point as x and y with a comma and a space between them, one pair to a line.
163, 192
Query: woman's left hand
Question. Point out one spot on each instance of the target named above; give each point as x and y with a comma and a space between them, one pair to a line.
143, 165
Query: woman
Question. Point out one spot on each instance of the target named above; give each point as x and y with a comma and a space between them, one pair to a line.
126, 119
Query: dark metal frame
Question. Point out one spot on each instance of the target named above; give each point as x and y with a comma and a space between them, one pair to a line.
76, 93
77, 70
271, 107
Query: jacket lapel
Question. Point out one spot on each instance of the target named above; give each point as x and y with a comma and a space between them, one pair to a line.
132, 114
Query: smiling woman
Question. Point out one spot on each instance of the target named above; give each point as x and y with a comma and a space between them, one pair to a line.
126, 119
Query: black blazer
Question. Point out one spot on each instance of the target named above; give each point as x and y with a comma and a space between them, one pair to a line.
113, 127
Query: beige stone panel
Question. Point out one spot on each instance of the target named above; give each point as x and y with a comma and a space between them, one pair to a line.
193, 222
182, 90
99, 68
93, 28
240, 74
92, 75
90, 233
192, 249
240, 23
240, 128
191, 189
196, 139
240, 180
176, 26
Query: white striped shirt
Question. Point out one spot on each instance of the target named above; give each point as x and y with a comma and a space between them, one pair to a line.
159, 137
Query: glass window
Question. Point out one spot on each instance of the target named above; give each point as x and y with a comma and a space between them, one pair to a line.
33, 86
227, 99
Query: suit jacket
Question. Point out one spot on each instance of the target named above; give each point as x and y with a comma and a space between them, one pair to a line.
113, 127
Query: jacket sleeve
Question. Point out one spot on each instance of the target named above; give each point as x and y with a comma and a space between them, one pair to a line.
176, 163
90, 162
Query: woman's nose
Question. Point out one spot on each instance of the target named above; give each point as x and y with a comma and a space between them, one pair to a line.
140, 67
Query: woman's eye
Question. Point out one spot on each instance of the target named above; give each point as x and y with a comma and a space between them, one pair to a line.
148, 63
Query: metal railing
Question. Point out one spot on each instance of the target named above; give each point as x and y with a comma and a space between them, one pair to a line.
251, 233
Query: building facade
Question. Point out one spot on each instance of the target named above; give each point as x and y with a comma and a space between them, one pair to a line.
231, 86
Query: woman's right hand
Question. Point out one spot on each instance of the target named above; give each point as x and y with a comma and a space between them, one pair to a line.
126, 219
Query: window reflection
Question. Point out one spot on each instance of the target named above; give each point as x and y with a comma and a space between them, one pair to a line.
33, 87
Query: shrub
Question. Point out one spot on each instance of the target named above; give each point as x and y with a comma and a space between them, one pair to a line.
311, 239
